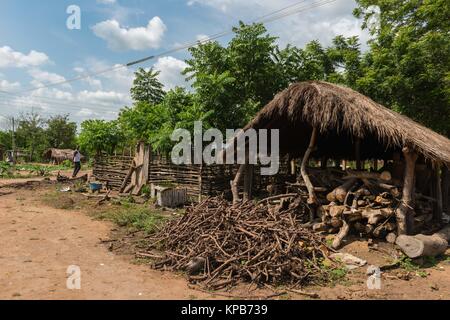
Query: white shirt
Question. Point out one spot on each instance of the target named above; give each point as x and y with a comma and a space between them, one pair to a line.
77, 157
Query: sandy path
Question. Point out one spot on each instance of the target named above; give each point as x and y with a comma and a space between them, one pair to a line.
37, 244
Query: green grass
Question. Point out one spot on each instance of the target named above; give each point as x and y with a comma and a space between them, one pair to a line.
134, 217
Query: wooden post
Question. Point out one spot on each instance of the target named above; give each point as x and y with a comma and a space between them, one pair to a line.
200, 184
445, 189
403, 213
312, 195
439, 206
375, 165
248, 181
235, 183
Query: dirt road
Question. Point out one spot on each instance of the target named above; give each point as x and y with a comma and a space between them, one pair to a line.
37, 244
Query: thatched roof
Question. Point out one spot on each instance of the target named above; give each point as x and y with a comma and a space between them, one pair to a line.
343, 115
60, 154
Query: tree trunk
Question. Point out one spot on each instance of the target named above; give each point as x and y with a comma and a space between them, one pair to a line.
248, 181
312, 195
235, 183
445, 189
439, 206
403, 213
424, 246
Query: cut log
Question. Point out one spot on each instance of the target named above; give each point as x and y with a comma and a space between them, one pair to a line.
343, 232
339, 194
384, 176
424, 246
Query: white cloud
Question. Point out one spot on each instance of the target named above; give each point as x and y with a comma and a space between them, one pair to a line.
85, 112
90, 81
105, 98
41, 77
171, 69
120, 38
319, 23
14, 59
9, 86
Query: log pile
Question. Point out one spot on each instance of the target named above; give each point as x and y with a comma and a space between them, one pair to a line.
365, 203
220, 245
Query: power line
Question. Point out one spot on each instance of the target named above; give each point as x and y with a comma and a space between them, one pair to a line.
265, 19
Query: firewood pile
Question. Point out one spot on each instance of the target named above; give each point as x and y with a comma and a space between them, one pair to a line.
220, 245
365, 204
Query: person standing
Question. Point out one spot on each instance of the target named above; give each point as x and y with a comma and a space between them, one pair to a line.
76, 162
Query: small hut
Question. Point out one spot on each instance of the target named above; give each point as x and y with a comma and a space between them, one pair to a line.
325, 121
57, 156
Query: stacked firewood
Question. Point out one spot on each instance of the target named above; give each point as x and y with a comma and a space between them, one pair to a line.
221, 245
365, 203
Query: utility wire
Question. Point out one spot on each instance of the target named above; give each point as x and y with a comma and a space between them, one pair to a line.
265, 19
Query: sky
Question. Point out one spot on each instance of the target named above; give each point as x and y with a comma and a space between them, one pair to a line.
37, 47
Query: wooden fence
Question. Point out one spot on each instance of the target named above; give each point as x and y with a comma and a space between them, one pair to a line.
199, 180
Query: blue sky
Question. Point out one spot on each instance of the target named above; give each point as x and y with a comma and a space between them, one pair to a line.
36, 47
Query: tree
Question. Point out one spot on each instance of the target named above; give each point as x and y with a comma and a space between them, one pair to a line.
30, 134
345, 57
98, 135
232, 83
407, 66
155, 123
147, 87
61, 133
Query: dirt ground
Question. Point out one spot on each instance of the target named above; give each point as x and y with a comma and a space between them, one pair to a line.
39, 243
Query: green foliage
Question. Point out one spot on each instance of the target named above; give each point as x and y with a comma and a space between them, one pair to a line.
30, 135
5, 169
61, 132
407, 66
135, 217
146, 87
98, 135
232, 83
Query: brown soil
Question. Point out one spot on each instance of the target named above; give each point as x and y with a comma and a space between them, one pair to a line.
39, 242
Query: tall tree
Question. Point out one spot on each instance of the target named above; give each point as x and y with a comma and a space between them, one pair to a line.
61, 132
146, 87
232, 83
98, 135
30, 134
407, 66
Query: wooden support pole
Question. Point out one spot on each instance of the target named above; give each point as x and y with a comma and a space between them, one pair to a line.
312, 195
445, 189
248, 181
235, 183
403, 213
439, 206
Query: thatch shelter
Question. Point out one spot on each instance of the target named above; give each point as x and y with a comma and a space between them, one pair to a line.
326, 121
59, 155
